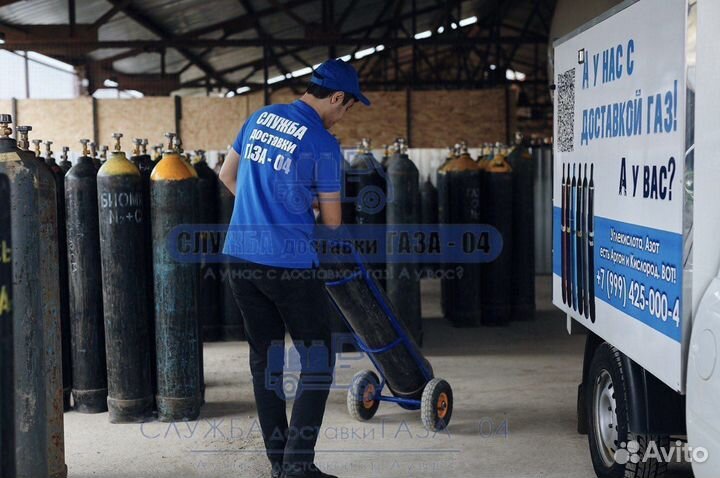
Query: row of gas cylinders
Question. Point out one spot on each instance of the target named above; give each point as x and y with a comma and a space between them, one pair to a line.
92, 305
496, 189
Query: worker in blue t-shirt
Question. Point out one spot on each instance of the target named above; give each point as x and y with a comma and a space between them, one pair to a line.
282, 163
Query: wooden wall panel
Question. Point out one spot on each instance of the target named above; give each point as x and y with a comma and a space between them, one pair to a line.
212, 123
149, 117
6, 109
440, 118
382, 122
64, 122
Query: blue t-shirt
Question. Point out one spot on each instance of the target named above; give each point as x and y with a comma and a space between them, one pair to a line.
286, 157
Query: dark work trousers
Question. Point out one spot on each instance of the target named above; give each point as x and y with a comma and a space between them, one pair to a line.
272, 300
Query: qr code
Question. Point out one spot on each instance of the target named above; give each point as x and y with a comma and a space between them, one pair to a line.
566, 110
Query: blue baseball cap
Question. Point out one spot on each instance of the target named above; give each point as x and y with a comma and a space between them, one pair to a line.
339, 76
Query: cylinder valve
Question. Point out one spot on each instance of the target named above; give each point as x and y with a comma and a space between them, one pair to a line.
171, 142
37, 142
85, 148
117, 137
138, 146
5, 129
48, 149
23, 142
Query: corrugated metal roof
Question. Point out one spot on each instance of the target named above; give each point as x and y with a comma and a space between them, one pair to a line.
183, 16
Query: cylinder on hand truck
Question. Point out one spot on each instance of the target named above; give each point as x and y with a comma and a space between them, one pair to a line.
89, 385
39, 428
464, 207
403, 283
523, 215
232, 327
497, 276
174, 195
209, 296
123, 257
7, 377
59, 175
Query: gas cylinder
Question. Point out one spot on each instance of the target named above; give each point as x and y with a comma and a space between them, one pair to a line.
497, 276
209, 295
428, 214
89, 371
232, 323
443, 218
65, 163
103, 154
386, 156
403, 284
173, 200
348, 194
7, 386
219, 163
59, 175
123, 256
523, 215
371, 199
371, 185
157, 153
39, 429
429, 202
464, 207
145, 165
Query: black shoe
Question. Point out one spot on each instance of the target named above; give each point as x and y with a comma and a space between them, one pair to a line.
312, 472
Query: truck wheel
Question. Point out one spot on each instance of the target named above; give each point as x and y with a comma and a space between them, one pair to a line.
437, 405
615, 452
361, 401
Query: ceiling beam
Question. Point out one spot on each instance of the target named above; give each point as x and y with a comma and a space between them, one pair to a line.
229, 27
183, 44
168, 36
257, 63
288, 11
105, 17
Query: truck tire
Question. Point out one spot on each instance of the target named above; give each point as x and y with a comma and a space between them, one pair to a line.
616, 452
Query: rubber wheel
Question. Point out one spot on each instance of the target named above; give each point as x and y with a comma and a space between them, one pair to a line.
615, 452
361, 401
437, 405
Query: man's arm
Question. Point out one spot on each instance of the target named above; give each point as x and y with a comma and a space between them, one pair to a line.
330, 209
229, 170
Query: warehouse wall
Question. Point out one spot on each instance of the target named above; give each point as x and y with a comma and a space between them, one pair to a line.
435, 120
477, 116
135, 118
64, 122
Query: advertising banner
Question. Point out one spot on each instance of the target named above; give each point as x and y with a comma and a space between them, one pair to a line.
618, 196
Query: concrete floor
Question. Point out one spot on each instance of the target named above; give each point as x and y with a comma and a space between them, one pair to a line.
514, 415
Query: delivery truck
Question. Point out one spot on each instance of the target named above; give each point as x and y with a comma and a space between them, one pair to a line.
636, 231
